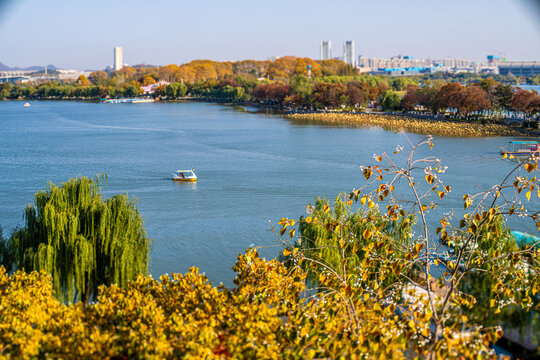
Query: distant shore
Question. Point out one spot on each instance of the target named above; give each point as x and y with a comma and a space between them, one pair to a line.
409, 123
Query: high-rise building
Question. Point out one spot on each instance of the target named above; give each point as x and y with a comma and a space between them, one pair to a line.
326, 50
348, 52
118, 58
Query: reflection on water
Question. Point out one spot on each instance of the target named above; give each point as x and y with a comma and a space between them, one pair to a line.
252, 168
186, 185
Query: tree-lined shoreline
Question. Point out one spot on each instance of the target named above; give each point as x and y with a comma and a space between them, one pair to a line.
302, 84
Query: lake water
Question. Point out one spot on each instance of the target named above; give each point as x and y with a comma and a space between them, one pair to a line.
252, 169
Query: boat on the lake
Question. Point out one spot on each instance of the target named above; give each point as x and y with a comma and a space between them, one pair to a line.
26, 104
128, 101
522, 150
184, 175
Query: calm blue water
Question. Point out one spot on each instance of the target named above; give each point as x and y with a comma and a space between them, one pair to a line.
252, 169
530, 87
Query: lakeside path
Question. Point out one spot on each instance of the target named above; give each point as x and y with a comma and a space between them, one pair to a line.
409, 124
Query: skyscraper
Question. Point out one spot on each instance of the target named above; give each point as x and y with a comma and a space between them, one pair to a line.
348, 52
326, 50
118, 58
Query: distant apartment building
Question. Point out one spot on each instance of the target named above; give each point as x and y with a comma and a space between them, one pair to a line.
326, 50
348, 52
118, 58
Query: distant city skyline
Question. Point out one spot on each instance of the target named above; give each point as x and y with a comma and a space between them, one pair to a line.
80, 35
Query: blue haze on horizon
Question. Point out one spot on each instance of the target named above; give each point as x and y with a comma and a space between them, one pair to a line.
82, 34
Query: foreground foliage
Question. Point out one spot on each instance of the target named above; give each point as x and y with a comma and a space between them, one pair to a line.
459, 285
185, 316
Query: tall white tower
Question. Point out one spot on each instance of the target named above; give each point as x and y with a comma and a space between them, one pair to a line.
118, 58
326, 50
348, 52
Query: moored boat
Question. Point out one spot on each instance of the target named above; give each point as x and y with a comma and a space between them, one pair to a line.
522, 150
26, 104
185, 175
128, 100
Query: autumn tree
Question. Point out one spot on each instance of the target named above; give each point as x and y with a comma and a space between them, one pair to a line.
410, 99
448, 96
275, 93
148, 80
82, 81
525, 101
336, 67
473, 99
169, 73
128, 72
282, 68
328, 95
98, 77
356, 93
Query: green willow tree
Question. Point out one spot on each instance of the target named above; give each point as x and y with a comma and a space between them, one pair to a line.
82, 240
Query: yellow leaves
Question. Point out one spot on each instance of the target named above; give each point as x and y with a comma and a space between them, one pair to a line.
430, 179
366, 234
378, 158
322, 279
304, 331
326, 208
528, 195
370, 203
363, 200
285, 223
308, 219
530, 167
286, 252
367, 173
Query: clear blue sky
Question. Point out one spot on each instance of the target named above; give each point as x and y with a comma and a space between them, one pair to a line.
81, 34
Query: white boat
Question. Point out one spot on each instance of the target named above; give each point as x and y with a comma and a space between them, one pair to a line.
140, 101
522, 150
26, 104
185, 175
128, 100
